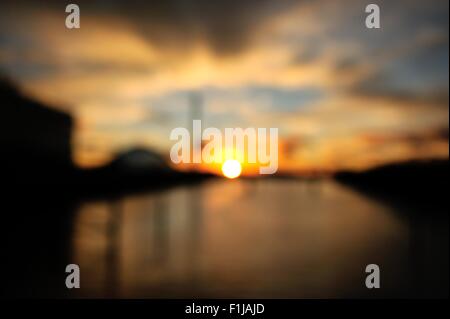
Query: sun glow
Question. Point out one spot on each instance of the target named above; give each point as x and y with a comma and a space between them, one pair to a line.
231, 169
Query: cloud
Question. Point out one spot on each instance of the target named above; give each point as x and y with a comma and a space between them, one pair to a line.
225, 26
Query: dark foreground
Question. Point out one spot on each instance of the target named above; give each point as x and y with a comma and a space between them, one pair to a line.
272, 238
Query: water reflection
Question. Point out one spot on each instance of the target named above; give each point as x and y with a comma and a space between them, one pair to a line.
241, 238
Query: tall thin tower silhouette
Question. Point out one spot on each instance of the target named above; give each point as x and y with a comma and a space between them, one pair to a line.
195, 113
195, 107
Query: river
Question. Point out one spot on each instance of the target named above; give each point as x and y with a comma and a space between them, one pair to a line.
270, 238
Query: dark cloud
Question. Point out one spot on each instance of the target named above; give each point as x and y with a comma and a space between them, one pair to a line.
227, 26
309, 54
415, 139
419, 72
381, 85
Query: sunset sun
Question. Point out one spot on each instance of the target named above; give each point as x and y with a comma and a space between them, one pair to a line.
231, 168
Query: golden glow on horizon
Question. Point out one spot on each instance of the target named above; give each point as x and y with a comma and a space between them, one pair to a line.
231, 169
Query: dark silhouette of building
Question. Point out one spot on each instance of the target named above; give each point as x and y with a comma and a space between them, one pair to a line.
35, 143
34, 139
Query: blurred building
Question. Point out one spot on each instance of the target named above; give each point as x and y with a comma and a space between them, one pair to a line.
34, 139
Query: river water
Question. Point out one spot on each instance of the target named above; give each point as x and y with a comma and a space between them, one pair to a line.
271, 238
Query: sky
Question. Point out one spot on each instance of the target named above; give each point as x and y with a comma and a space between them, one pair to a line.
343, 96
